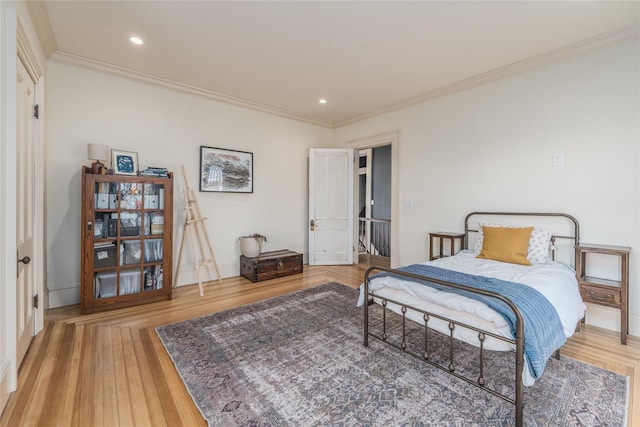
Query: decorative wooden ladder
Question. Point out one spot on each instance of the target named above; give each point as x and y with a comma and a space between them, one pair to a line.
194, 226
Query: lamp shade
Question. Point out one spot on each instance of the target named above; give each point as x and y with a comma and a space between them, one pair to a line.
98, 152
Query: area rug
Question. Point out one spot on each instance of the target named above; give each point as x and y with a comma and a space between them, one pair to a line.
298, 360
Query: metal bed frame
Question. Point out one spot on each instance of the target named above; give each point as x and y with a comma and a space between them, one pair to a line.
518, 340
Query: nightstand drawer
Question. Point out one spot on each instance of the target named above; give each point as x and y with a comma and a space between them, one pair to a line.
610, 297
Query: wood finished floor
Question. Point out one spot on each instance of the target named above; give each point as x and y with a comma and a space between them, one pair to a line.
110, 369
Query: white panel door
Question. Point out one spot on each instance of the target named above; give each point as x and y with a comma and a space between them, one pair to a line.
331, 206
25, 210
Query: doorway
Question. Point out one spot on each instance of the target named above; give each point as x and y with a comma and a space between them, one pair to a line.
376, 198
374, 205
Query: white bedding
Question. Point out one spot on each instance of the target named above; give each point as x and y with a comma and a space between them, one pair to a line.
555, 280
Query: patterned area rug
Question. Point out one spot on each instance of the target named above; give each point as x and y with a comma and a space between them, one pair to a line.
298, 360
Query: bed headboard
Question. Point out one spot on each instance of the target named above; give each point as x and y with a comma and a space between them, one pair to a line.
564, 228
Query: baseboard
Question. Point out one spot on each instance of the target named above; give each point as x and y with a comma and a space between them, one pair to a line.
65, 296
609, 318
634, 325
5, 384
188, 275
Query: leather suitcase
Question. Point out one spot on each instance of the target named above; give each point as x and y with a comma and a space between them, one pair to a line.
269, 265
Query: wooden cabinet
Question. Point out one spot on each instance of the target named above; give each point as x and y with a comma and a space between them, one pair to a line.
441, 237
606, 292
126, 240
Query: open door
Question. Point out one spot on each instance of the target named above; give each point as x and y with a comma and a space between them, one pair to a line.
331, 204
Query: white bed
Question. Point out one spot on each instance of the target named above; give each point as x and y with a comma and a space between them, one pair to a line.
555, 280
512, 270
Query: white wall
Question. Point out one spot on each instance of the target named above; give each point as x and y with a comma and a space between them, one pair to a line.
490, 148
166, 128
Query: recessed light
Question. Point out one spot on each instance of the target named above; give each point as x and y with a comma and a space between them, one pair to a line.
322, 101
136, 40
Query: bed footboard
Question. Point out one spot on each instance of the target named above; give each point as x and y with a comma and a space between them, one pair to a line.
450, 367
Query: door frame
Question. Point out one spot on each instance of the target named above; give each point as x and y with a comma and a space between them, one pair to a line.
391, 138
15, 46
8, 245
367, 173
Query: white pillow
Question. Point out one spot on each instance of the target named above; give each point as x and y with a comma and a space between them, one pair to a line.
539, 246
539, 243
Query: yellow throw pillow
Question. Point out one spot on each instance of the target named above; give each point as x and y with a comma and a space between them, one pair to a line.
506, 244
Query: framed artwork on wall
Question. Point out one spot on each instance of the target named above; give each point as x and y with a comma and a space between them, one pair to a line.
124, 162
227, 171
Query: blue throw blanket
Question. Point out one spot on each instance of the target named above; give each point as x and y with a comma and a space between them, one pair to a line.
543, 329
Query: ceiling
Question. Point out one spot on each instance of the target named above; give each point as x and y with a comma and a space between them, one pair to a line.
363, 57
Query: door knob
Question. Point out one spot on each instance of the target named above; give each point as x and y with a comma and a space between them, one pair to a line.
313, 225
25, 259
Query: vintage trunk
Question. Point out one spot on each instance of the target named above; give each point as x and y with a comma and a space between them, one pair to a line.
269, 265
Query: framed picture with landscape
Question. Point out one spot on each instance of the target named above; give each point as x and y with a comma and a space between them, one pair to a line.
223, 170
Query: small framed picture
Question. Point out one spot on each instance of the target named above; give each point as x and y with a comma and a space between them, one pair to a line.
124, 162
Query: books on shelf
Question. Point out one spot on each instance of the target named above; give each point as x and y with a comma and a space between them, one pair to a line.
157, 218
99, 245
154, 223
154, 171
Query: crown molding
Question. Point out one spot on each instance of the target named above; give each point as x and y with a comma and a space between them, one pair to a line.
584, 47
40, 17
166, 83
27, 55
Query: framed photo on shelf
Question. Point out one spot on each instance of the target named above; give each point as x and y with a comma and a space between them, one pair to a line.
124, 162
227, 171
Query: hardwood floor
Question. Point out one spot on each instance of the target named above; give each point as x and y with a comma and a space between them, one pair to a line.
110, 369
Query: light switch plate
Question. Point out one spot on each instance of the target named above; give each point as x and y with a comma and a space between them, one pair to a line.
557, 159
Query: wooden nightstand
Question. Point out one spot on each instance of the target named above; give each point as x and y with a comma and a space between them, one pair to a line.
609, 293
442, 236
